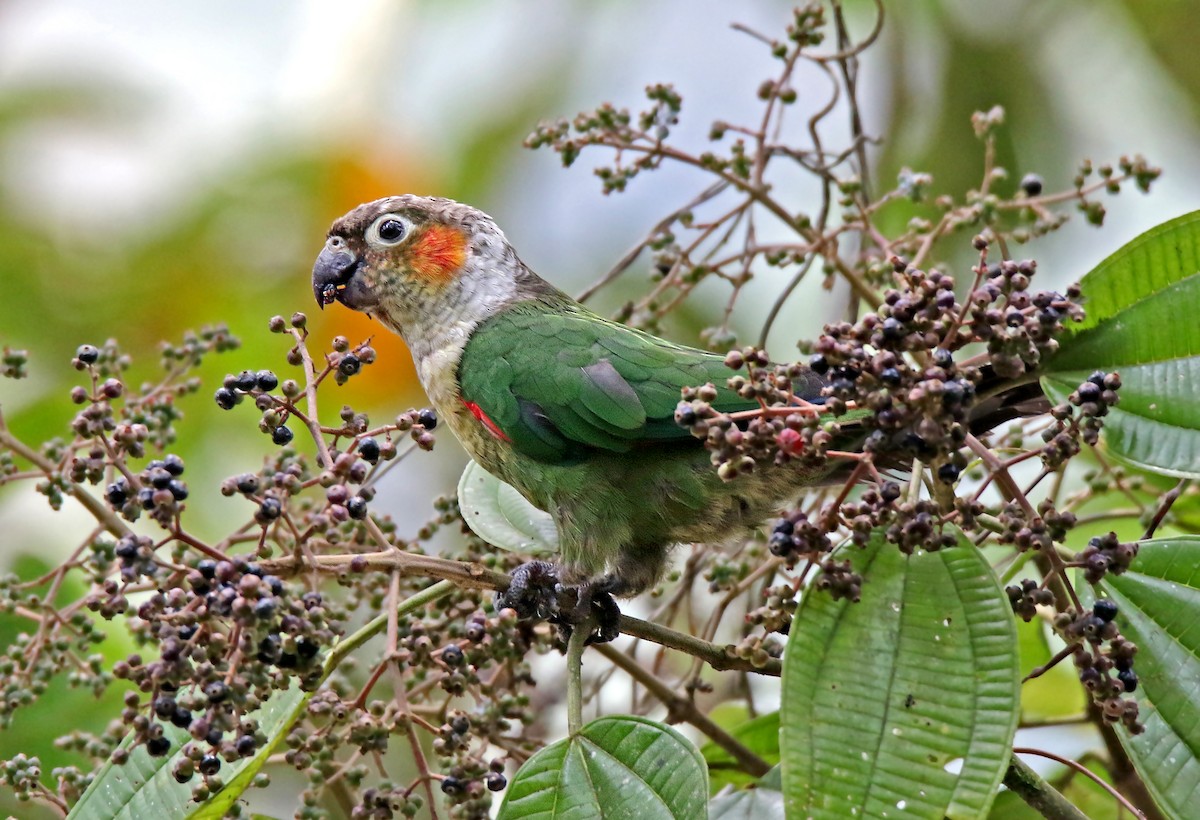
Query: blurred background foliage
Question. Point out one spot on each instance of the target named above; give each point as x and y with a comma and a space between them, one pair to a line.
163, 167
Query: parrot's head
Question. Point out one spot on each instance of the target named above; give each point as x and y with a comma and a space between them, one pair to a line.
417, 262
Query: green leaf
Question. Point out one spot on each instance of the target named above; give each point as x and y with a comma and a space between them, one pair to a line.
500, 515
760, 735
616, 767
1159, 609
144, 786
880, 696
1142, 304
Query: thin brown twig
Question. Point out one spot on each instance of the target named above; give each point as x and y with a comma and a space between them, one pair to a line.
1086, 772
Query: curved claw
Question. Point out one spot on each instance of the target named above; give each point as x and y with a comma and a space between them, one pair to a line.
607, 617
535, 592
532, 591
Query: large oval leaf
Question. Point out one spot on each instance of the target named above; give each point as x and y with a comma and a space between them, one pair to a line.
1142, 307
616, 767
1159, 610
880, 696
500, 515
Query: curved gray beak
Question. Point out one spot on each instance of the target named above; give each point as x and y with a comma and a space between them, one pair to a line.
331, 273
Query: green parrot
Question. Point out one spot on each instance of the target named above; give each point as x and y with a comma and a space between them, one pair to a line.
574, 411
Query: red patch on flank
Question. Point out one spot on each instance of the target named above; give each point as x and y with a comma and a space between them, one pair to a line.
439, 253
791, 442
488, 424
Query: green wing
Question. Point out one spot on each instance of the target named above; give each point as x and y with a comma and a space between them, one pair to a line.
560, 382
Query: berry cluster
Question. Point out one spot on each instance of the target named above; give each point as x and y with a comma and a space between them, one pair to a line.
1079, 419
1106, 675
1104, 554
1026, 597
737, 444
839, 580
778, 608
794, 536
227, 636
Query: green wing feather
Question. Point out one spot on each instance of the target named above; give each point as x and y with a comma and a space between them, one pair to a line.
561, 382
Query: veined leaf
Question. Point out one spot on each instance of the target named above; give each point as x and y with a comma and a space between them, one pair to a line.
616, 767
500, 515
880, 696
1159, 609
1142, 303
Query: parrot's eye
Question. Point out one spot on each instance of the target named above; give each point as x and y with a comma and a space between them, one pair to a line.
387, 230
391, 230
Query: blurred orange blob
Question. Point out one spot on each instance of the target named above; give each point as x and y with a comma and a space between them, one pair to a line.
363, 173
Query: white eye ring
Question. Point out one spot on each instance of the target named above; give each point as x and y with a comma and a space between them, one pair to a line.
388, 230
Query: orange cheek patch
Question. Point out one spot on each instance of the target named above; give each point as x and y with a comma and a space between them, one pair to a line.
439, 253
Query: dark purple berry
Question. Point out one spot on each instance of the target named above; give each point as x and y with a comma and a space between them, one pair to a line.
495, 781
216, 691
452, 655
117, 493
266, 380
427, 419
182, 717
349, 365
1128, 678
209, 765
282, 435
948, 473
1105, 609
264, 609
158, 746
245, 381
368, 448
226, 398
88, 354
452, 786
306, 649
1031, 184
357, 507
